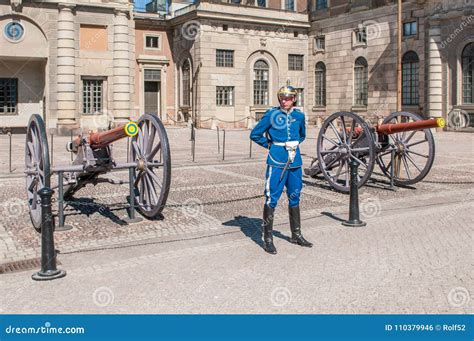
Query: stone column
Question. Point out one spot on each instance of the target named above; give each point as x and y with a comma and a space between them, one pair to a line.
121, 86
435, 75
66, 86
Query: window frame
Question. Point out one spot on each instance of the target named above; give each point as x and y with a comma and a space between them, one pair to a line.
411, 35
15, 112
266, 96
151, 35
321, 8
231, 99
413, 89
292, 64
364, 86
322, 88
183, 96
103, 81
469, 74
224, 58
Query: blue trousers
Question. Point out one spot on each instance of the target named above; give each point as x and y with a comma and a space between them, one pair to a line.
292, 180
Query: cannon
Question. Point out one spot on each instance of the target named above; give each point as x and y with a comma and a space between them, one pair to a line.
149, 165
402, 146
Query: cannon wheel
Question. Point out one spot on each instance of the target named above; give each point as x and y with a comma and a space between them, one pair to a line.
151, 183
37, 167
336, 146
414, 151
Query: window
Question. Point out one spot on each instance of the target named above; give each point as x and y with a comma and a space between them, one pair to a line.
467, 74
320, 81
260, 83
8, 95
152, 75
409, 29
290, 5
225, 27
361, 76
225, 58
91, 96
186, 84
225, 95
299, 97
319, 43
360, 36
321, 4
295, 62
262, 3
152, 42
410, 67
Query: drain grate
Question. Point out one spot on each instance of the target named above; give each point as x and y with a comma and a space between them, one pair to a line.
22, 265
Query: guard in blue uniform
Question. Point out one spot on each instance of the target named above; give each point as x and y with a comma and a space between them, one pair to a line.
281, 130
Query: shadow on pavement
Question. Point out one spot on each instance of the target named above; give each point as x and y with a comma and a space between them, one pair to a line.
252, 228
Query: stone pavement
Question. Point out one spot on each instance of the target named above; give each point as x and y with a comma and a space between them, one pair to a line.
205, 256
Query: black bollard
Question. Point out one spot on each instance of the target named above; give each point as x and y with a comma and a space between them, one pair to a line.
48, 253
354, 220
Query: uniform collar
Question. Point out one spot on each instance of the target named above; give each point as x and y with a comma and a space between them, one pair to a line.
287, 112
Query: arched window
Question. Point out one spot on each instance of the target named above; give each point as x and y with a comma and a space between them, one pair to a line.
410, 78
361, 75
320, 83
186, 84
260, 82
467, 74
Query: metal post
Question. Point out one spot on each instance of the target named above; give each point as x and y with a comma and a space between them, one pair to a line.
10, 152
128, 149
250, 149
52, 149
392, 166
48, 253
61, 226
131, 219
193, 141
354, 198
223, 145
218, 142
72, 159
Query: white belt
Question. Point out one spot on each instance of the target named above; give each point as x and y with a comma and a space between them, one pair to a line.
290, 144
290, 147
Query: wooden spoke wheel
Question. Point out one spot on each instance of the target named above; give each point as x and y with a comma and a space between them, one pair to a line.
345, 136
37, 166
152, 176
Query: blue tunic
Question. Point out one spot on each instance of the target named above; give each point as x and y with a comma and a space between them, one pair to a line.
278, 126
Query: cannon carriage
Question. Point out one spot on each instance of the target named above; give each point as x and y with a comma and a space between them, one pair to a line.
149, 165
402, 146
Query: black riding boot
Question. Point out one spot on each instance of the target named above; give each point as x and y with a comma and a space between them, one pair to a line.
295, 225
268, 229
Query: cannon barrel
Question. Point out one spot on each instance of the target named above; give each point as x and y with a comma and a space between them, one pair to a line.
392, 128
98, 140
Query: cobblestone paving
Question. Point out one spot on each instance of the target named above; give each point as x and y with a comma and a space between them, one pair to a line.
205, 256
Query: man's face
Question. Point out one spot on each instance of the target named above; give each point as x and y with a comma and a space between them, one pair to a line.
286, 102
